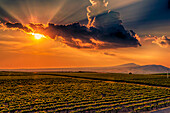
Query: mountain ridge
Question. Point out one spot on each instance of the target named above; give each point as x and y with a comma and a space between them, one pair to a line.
124, 68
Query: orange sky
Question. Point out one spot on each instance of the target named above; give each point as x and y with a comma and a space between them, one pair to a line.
20, 50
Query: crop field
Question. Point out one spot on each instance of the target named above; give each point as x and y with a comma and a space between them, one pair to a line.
33, 92
157, 80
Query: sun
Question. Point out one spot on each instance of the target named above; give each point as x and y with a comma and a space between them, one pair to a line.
38, 36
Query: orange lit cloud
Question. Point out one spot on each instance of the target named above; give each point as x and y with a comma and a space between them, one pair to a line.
163, 41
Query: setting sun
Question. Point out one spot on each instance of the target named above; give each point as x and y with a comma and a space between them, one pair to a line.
38, 36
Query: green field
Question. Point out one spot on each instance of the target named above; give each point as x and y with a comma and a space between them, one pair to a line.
54, 92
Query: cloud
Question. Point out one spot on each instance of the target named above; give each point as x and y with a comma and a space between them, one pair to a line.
109, 54
97, 7
78, 36
104, 31
163, 41
18, 26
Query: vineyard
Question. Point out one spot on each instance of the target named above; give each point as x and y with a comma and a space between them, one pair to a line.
157, 80
29, 92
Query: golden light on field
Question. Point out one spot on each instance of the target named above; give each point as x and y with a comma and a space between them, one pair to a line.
38, 36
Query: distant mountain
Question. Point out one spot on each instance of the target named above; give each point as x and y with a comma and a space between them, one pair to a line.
137, 69
124, 68
128, 65
151, 69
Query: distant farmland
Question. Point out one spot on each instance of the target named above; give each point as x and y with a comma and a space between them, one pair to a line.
80, 92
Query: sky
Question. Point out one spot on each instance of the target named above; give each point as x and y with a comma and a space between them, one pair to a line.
83, 33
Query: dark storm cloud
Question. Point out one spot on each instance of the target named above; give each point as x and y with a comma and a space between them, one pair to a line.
78, 36
18, 26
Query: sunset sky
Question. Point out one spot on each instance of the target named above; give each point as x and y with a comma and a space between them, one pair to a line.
23, 46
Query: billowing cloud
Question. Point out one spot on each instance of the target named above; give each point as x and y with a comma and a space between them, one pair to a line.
78, 36
163, 41
104, 31
18, 26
